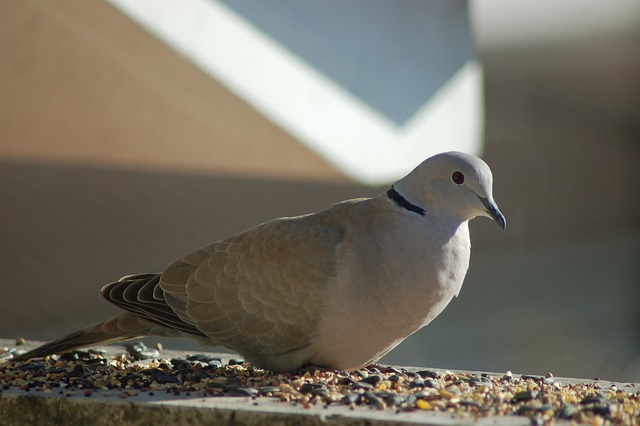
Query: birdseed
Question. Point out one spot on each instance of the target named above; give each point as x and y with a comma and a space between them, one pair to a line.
544, 399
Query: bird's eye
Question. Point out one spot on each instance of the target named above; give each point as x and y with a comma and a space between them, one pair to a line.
457, 178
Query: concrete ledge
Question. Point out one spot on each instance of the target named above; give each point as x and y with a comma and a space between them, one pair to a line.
33, 399
103, 410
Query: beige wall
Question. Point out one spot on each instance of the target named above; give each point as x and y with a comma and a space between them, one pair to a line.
80, 83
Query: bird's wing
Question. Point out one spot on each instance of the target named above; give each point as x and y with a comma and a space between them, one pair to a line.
261, 291
141, 294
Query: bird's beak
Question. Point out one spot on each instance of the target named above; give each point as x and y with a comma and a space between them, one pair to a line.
494, 212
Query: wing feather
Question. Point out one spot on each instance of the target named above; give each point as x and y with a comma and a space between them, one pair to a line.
261, 291
137, 294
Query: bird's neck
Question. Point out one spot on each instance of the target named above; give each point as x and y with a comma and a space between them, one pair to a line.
402, 202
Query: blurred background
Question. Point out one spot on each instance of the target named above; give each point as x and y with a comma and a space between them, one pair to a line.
124, 145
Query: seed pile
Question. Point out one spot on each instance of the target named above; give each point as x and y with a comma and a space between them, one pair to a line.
543, 399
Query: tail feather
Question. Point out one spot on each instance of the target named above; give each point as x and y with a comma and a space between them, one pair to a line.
121, 327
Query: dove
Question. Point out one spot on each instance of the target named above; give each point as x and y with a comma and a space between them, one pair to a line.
338, 288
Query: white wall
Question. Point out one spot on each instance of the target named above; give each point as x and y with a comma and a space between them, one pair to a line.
502, 24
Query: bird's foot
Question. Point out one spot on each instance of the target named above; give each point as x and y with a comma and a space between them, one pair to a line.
313, 370
374, 367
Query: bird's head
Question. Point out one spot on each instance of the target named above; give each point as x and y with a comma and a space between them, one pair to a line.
453, 182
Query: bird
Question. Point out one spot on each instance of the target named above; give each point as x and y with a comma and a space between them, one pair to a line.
338, 288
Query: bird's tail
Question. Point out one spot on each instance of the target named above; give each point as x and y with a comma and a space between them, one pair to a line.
124, 326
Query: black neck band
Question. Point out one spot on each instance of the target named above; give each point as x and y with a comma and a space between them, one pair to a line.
403, 202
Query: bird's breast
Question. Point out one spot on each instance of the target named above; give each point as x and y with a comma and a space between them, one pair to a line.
389, 288
420, 274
